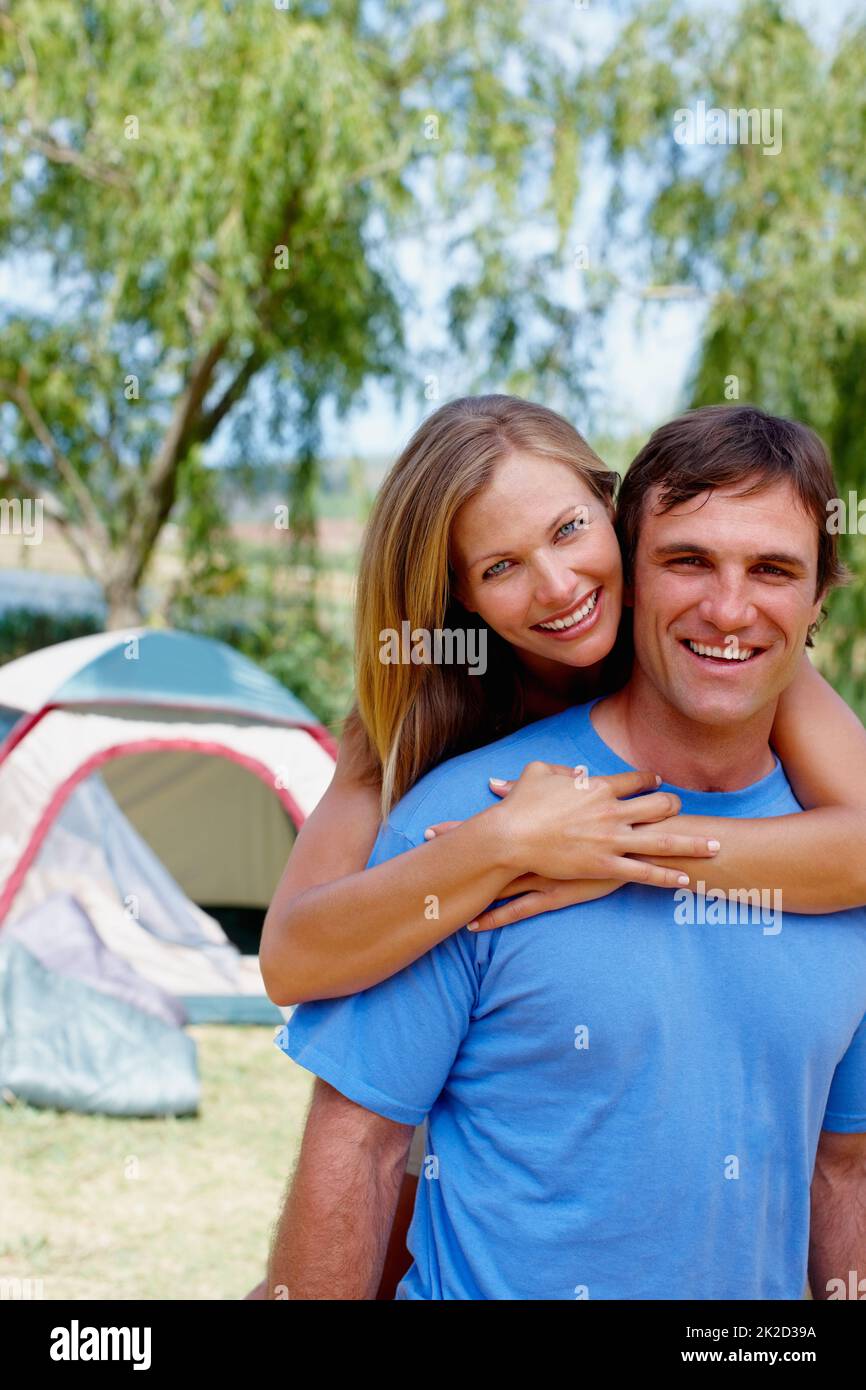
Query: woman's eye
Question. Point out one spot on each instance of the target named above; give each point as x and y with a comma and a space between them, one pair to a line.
565, 532
494, 570
578, 523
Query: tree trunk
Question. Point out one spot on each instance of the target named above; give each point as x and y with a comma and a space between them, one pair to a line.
124, 607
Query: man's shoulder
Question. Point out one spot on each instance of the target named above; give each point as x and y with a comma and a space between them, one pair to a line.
458, 787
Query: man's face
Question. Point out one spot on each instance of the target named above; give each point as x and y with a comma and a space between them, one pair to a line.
720, 578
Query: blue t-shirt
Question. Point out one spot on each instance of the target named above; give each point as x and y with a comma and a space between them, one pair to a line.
624, 1097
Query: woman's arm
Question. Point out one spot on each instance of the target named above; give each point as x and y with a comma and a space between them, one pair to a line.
334, 927
821, 743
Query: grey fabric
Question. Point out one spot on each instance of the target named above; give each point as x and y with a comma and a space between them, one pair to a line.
92, 818
69, 1046
241, 1009
61, 936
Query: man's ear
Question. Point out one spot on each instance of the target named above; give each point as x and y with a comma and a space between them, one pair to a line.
816, 613
818, 605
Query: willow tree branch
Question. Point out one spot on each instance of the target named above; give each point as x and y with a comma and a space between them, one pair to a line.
17, 392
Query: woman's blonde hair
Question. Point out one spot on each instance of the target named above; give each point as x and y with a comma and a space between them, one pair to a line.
411, 717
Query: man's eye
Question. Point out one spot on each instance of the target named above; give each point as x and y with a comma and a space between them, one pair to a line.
687, 560
774, 569
494, 570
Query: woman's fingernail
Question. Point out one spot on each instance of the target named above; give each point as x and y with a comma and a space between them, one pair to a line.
683, 878
658, 780
714, 845
429, 833
497, 781
473, 926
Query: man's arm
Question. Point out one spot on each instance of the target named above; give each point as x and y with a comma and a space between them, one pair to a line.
837, 1238
332, 1235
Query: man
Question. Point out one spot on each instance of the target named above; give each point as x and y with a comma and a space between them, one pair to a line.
620, 1105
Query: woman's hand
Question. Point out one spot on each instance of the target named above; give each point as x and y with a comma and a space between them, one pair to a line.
561, 824
535, 895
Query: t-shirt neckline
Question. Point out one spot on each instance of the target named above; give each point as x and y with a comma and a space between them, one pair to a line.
774, 785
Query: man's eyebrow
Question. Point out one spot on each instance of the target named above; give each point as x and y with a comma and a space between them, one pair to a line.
764, 557
568, 511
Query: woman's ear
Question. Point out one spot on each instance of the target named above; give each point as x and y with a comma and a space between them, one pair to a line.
459, 594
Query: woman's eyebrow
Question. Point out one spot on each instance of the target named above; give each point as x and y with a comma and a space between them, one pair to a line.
567, 511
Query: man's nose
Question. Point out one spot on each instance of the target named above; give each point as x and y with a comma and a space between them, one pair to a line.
727, 604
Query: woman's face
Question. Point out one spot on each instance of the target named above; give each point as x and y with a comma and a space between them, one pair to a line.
536, 556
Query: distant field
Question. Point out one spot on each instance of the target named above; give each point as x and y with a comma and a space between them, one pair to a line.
50, 577
196, 1220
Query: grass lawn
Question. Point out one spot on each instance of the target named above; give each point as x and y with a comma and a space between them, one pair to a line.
105, 1208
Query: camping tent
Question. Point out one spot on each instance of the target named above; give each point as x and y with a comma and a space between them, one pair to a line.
79, 1027
159, 778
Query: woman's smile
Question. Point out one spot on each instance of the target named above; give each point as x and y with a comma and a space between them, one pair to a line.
574, 621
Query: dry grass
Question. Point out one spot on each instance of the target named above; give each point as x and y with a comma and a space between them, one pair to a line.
106, 1208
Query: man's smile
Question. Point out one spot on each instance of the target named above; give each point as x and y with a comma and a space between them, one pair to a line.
733, 654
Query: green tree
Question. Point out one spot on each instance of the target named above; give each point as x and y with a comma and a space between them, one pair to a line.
773, 241
218, 188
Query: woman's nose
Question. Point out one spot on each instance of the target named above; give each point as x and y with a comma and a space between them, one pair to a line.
555, 584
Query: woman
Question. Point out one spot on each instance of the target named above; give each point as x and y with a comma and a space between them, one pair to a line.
499, 516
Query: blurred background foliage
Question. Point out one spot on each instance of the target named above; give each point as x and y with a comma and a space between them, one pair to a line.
219, 192
774, 241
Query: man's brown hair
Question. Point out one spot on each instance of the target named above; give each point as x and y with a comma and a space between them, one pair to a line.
723, 446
